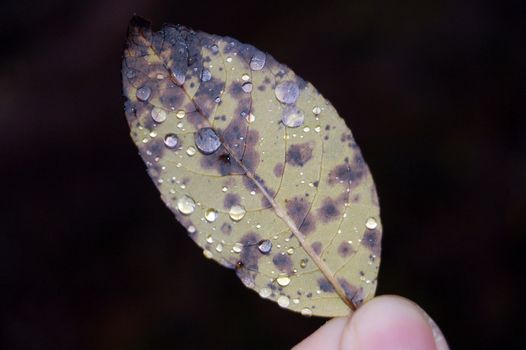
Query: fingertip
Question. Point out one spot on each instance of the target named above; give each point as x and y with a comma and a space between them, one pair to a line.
327, 337
389, 322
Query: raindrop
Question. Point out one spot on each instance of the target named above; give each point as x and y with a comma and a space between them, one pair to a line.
250, 118
179, 77
206, 75
186, 205
158, 114
303, 263
316, 110
371, 223
257, 62
224, 189
292, 117
238, 247
287, 92
317, 128
265, 292
290, 251
211, 215
207, 140
229, 59
180, 114
143, 93
283, 281
180, 125
214, 48
190, 151
218, 99
245, 77
306, 312
283, 301
265, 246
130, 73
295, 301
209, 239
237, 212
219, 247
247, 87
171, 140
191, 229
306, 129
208, 254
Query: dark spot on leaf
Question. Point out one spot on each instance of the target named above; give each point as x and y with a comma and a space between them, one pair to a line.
231, 199
226, 228
353, 294
250, 253
328, 211
299, 154
345, 249
283, 262
308, 225
324, 285
278, 170
371, 240
316, 246
204, 98
297, 209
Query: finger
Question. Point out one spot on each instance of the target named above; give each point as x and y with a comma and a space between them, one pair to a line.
327, 337
391, 323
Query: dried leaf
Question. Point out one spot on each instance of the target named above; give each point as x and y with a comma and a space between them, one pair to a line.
257, 165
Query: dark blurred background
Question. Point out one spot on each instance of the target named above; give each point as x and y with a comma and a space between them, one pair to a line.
434, 92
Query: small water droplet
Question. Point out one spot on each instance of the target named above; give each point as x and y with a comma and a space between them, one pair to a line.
190, 151
143, 93
283, 301
229, 59
186, 205
265, 292
191, 229
180, 114
206, 75
130, 73
218, 99
247, 87
153, 134
371, 223
303, 263
207, 140
238, 247
265, 246
306, 312
316, 110
317, 128
250, 118
180, 125
306, 129
257, 62
287, 92
211, 215
237, 212
158, 114
290, 251
214, 48
171, 140
208, 254
295, 301
245, 77
283, 281
219, 247
224, 189
179, 77
292, 117
209, 239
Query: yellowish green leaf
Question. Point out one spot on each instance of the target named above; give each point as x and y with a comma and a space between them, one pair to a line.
257, 165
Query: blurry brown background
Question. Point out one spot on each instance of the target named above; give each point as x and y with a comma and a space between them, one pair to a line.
91, 259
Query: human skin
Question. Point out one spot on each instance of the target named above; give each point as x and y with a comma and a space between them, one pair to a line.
384, 323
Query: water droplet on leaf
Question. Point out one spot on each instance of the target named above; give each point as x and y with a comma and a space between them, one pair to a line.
143, 93
371, 223
283, 301
186, 205
265, 246
158, 114
265, 292
306, 312
283, 281
190, 151
257, 62
237, 212
211, 215
171, 140
206, 75
207, 140
292, 117
180, 114
287, 92
247, 87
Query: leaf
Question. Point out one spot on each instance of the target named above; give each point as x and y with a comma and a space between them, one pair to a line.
256, 165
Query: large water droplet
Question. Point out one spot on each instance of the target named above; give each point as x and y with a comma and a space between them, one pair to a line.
287, 92
257, 62
306, 312
283, 301
186, 205
371, 223
292, 117
158, 114
283, 281
265, 246
211, 215
180, 114
206, 75
143, 93
237, 212
171, 140
207, 140
265, 292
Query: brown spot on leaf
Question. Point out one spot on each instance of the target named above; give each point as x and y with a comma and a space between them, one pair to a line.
299, 154
329, 210
282, 262
316, 246
226, 228
345, 249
